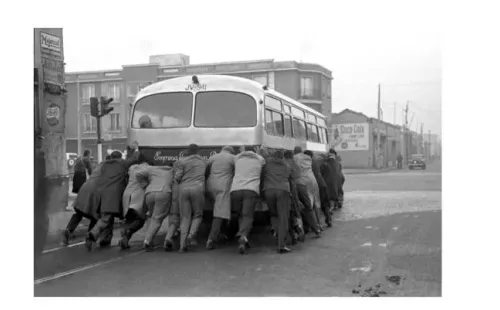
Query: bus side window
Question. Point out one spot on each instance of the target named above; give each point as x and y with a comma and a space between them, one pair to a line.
299, 129
278, 123
322, 138
288, 126
274, 123
312, 133
326, 135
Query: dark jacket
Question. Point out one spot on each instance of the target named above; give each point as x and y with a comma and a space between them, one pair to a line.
316, 167
191, 171
276, 174
331, 174
82, 164
104, 190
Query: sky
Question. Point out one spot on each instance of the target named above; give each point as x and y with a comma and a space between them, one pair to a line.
394, 43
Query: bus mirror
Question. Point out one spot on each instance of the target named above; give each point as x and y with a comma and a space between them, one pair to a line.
261, 101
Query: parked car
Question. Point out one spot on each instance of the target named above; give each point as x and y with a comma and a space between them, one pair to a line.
417, 161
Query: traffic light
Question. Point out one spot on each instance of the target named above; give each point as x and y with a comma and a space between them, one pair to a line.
105, 108
94, 107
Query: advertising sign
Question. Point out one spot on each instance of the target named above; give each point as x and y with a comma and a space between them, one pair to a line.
350, 137
51, 46
53, 71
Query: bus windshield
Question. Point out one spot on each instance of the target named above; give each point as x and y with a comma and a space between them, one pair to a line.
225, 109
164, 110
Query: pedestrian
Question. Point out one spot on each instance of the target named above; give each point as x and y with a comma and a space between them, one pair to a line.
341, 183
83, 207
220, 171
108, 194
330, 172
400, 161
158, 198
276, 175
191, 177
306, 189
317, 161
82, 167
133, 202
245, 192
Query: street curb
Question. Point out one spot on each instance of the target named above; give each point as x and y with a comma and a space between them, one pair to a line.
360, 171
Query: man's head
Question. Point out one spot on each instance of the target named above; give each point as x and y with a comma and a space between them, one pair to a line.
309, 153
192, 149
86, 153
278, 154
297, 150
108, 157
332, 151
288, 154
228, 149
116, 155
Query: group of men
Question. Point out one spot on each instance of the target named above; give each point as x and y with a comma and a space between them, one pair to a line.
295, 186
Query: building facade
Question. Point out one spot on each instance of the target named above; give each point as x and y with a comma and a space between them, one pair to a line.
354, 136
309, 84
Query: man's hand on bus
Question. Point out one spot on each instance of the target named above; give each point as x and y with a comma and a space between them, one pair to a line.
135, 145
257, 149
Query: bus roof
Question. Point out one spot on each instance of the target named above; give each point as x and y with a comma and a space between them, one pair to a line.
218, 82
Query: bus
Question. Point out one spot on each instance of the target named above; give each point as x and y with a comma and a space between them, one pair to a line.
217, 110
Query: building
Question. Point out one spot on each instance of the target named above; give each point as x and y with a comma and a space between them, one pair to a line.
354, 136
309, 84
49, 111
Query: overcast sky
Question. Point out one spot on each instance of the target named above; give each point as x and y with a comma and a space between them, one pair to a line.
363, 43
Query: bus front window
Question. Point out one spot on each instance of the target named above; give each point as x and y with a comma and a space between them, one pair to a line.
164, 110
220, 109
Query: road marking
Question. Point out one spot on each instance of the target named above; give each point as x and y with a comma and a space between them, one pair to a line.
383, 245
63, 247
367, 244
368, 227
76, 270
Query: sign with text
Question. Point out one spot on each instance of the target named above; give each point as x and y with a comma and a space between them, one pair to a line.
53, 71
51, 46
350, 137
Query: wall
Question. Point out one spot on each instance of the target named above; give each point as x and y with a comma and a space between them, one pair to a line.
353, 159
287, 83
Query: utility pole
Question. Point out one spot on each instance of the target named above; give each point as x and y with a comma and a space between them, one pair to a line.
378, 127
429, 152
405, 134
78, 121
421, 138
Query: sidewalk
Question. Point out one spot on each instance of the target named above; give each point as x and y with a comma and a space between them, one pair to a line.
367, 170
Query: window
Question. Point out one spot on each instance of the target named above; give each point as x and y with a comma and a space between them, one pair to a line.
311, 118
262, 79
274, 123
166, 110
114, 124
325, 134
321, 122
288, 126
328, 89
114, 91
87, 91
225, 109
89, 123
306, 86
312, 133
298, 112
323, 87
299, 129
273, 103
132, 89
322, 135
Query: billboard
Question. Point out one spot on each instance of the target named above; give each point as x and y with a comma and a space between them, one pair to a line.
350, 137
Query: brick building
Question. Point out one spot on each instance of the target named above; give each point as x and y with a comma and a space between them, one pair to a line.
309, 84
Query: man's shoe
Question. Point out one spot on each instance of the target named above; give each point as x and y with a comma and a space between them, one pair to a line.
148, 247
65, 237
284, 250
210, 245
243, 245
123, 243
168, 246
89, 240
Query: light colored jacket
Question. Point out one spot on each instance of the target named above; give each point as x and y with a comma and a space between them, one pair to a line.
221, 171
247, 172
133, 196
306, 173
191, 171
159, 179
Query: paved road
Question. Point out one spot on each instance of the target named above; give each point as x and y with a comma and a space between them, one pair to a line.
385, 242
